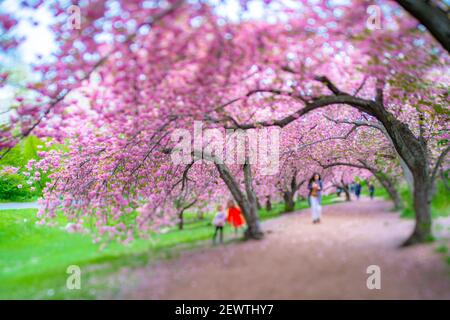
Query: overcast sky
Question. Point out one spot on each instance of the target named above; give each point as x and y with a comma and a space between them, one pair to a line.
40, 41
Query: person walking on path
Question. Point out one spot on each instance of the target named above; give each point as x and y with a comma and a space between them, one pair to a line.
219, 222
235, 217
351, 187
315, 187
338, 191
357, 190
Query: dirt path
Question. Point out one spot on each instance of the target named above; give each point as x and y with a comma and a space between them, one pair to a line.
18, 205
299, 260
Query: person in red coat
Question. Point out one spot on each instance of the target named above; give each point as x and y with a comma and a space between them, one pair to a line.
234, 216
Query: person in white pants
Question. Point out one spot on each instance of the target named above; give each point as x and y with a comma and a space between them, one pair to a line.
316, 209
315, 197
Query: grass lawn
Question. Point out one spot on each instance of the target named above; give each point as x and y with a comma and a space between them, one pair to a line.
34, 258
440, 206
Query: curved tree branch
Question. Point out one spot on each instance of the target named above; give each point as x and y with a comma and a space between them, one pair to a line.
438, 164
432, 17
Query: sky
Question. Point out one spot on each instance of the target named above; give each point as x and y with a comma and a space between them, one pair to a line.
40, 41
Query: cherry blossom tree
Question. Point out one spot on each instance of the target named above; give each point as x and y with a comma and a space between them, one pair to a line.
395, 77
121, 85
368, 150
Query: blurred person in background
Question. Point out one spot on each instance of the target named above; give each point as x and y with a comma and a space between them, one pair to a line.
315, 187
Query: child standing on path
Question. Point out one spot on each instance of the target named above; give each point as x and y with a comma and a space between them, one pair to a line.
235, 217
219, 222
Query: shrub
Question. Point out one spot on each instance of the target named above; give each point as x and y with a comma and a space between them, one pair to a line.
9, 189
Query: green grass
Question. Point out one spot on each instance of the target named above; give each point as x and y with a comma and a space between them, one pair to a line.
22, 200
444, 250
18, 157
440, 205
34, 258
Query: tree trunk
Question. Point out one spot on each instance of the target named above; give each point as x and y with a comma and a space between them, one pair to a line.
268, 204
250, 209
414, 152
258, 204
388, 184
346, 192
407, 174
250, 213
184, 207
180, 220
421, 202
289, 195
432, 17
289, 203
247, 201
